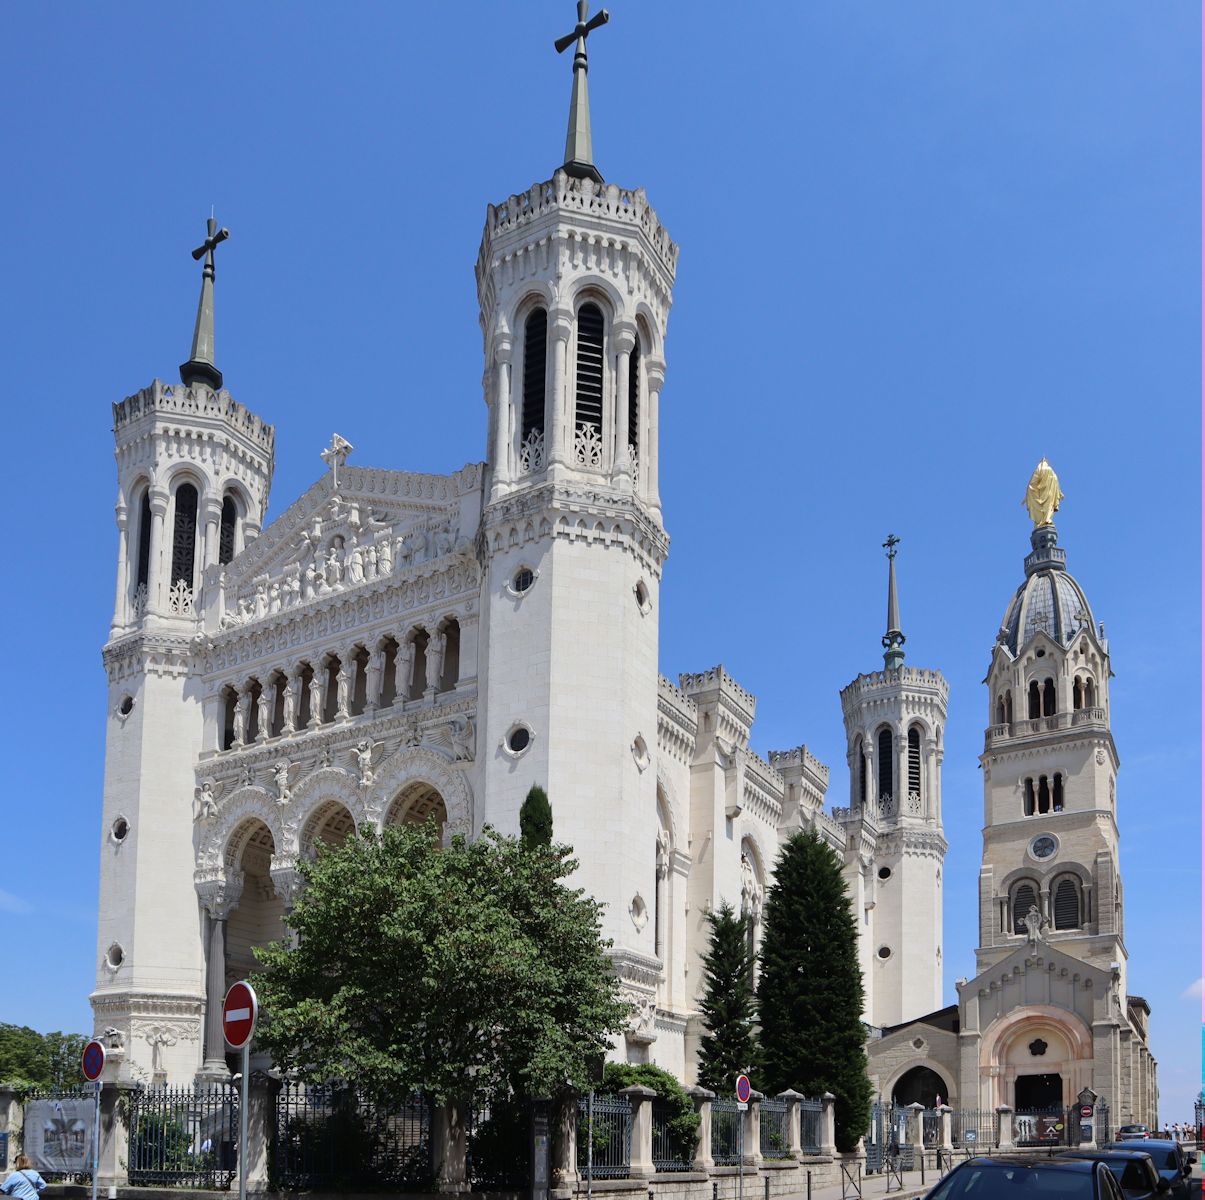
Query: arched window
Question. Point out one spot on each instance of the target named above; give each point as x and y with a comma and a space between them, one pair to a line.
1058, 792
450, 675
589, 401
1035, 701
999, 710
1029, 797
143, 573
1043, 794
860, 773
535, 359
886, 765
1008, 708
1089, 694
634, 401
226, 530
914, 761
1048, 698
1077, 693
1025, 897
279, 683
1066, 904
184, 536
229, 706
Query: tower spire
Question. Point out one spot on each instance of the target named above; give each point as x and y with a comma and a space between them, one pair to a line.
579, 154
893, 639
200, 367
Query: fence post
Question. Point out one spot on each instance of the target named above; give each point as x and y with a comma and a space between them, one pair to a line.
701, 1097
262, 1090
828, 1125
113, 1169
450, 1146
564, 1140
1005, 1114
947, 1126
794, 1135
752, 1119
641, 1099
916, 1129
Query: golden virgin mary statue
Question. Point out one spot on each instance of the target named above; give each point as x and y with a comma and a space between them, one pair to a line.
1042, 496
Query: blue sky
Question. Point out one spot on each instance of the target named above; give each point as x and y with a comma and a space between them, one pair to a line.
922, 245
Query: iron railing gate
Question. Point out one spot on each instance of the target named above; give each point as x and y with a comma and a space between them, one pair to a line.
810, 1115
606, 1147
725, 1133
184, 1136
887, 1136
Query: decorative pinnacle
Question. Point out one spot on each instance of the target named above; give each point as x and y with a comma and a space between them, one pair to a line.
201, 368
579, 154
893, 639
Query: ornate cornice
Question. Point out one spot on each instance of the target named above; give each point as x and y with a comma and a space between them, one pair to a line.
148, 653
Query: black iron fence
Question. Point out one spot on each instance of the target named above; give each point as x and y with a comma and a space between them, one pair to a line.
672, 1149
604, 1136
886, 1139
183, 1136
1104, 1125
974, 1128
931, 1127
331, 1137
499, 1146
725, 1133
775, 1130
810, 1117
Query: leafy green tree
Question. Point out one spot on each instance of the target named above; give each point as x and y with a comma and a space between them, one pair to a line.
535, 818
683, 1119
730, 1044
469, 971
809, 994
42, 1059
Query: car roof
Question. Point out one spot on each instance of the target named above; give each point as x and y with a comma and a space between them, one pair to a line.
1162, 1143
1104, 1152
1036, 1160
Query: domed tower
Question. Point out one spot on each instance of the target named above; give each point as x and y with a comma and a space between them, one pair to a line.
1050, 842
574, 280
895, 722
194, 468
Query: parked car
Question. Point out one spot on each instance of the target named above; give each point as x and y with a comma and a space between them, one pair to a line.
1171, 1160
1000, 1179
1130, 1133
1134, 1170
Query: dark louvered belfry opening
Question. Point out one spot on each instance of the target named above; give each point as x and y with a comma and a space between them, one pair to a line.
914, 761
1048, 703
1030, 797
886, 766
1066, 905
144, 540
1024, 898
861, 772
1035, 701
634, 397
226, 535
535, 358
589, 366
184, 537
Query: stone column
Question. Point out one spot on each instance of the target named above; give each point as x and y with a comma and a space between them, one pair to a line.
261, 1116
1005, 1114
113, 1168
121, 601
450, 1145
503, 350
794, 1134
751, 1119
654, 373
916, 1131
564, 1140
701, 1097
154, 576
641, 1099
623, 339
828, 1125
947, 1126
217, 897
213, 521
560, 327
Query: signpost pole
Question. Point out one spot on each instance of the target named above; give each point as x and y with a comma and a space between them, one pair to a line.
92, 1064
590, 1147
740, 1156
95, 1137
242, 1124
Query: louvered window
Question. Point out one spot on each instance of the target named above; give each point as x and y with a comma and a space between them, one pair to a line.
590, 366
1043, 794
1066, 904
886, 766
144, 540
226, 535
861, 772
634, 397
1048, 698
184, 538
914, 761
1024, 898
535, 357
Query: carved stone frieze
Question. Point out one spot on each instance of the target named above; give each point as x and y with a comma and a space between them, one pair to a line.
168, 655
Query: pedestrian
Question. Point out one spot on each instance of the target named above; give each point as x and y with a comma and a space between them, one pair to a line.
24, 1183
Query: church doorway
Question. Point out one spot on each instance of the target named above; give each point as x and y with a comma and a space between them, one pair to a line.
920, 1085
1039, 1093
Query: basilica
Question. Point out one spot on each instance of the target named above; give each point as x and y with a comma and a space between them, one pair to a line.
396, 645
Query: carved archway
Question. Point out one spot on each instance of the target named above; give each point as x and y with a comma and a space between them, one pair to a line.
214, 837
417, 802
1038, 1039
318, 791
424, 766
330, 823
256, 920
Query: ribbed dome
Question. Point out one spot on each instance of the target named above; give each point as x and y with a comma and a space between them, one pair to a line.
1050, 600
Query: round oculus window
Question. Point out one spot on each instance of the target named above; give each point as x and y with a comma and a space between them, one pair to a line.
523, 578
1043, 846
884, 952
114, 956
120, 829
884, 872
643, 600
518, 739
126, 706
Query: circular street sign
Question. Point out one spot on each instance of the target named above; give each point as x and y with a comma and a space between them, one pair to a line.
1085, 1110
744, 1089
239, 1013
92, 1062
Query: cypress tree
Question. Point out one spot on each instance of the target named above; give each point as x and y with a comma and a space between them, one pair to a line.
535, 819
730, 1045
809, 994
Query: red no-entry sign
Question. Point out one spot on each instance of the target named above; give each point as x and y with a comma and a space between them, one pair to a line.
92, 1062
239, 1013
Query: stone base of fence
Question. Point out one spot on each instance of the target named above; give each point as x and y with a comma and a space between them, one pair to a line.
785, 1177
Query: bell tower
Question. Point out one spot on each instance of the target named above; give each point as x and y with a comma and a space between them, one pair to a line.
574, 281
194, 468
894, 724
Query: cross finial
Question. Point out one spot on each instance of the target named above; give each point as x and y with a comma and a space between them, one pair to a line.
893, 639
890, 545
335, 455
201, 367
579, 153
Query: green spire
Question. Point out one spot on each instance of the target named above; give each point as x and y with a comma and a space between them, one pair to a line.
579, 153
893, 639
201, 367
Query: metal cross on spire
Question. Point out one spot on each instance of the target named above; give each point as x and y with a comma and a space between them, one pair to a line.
335, 455
201, 367
893, 639
579, 153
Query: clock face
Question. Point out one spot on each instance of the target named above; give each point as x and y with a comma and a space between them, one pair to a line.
1043, 846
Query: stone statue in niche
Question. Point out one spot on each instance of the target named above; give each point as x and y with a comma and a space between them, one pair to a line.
261, 599
355, 566
365, 752
436, 646
370, 561
280, 777
310, 587
290, 705
403, 670
207, 803
462, 735
263, 714
334, 568
412, 546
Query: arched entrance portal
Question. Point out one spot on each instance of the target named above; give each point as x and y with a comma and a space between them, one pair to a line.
920, 1085
415, 803
330, 824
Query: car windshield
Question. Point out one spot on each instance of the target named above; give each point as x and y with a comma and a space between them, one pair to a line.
982, 1182
1131, 1175
1165, 1160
